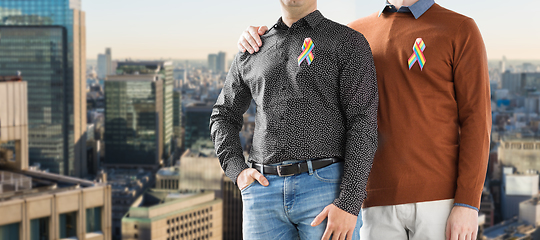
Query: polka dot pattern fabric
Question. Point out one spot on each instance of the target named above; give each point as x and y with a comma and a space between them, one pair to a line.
327, 108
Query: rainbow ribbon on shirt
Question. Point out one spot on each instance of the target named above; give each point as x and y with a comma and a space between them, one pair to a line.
307, 49
418, 55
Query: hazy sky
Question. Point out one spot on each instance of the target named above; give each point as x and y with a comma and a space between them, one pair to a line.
191, 29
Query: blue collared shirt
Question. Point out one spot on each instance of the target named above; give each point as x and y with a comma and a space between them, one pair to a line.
417, 9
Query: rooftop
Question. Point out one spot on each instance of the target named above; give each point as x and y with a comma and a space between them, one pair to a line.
21, 184
10, 78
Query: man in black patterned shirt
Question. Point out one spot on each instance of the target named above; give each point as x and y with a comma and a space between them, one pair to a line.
315, 132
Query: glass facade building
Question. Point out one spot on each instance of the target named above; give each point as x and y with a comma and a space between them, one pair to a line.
45, 41
133, 120
165, 70
197, 122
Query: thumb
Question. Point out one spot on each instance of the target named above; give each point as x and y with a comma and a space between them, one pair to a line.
260, 178
320, 218
262, 30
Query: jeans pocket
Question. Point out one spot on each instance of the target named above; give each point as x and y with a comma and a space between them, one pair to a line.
330, 174
248, 186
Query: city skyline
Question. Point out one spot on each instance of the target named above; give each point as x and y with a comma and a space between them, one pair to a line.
193, 29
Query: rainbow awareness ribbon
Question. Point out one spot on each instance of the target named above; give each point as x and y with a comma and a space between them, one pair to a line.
307, 49
418, 55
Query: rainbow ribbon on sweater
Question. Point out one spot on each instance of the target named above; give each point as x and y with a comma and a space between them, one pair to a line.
418, 55
307, 49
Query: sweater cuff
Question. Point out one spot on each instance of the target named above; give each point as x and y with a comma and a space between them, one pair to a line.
234, 168
466, 205
468, 196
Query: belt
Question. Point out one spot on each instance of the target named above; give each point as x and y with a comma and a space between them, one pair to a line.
295, 168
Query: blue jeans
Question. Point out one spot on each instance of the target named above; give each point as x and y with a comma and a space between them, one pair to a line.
286, 208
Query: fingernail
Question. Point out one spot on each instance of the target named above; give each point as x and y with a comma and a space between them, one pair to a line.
256, 49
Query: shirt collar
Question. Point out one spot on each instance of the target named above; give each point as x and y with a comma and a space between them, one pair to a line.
417, 9
312, 20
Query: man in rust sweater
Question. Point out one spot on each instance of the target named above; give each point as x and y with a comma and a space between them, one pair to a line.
434, 121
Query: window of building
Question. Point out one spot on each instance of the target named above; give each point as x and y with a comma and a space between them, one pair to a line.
68, 225
10, 231
93, 219
39, 229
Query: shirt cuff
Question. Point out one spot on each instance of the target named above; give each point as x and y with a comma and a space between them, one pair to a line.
466, 205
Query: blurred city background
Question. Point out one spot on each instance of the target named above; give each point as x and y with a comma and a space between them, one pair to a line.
105, 107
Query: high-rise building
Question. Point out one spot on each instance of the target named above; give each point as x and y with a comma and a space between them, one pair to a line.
169, 214
102, 66
13, 123
133, 120
41, 205
110, 69
197, 122
105, 64
45, 40
165, 70
232, 210
221, 62
177, 122
212, 62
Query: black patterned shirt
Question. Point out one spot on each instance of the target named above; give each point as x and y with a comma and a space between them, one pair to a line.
323, 105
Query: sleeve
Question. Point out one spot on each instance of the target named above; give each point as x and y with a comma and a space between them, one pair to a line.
226, 122
471, 82
359, 100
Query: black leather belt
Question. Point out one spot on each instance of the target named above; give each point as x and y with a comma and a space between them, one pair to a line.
295, 168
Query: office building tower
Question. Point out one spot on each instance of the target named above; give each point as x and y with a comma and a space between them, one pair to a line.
105, 64
41, 205
221, 62
13, 123
212, 62
165, 71
133, 120
168, 214
102, 66
232, 210
110, 69
177, 122
197, 122
45, 40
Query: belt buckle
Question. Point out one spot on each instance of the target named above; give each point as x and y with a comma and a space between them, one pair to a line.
279, 170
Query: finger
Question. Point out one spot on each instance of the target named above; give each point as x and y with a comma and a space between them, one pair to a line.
241, 47
254, 32
474, 235
350, 234
259, 177
448, 232
454, 235
262, 30
248, 36
342, 236
245, 43
460, 236
336, 236
468, 236
327, 234
320, 218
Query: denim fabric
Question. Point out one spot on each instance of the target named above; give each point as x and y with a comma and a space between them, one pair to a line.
286, 208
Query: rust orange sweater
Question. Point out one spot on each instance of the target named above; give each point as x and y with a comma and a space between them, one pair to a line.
435, 122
